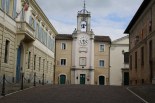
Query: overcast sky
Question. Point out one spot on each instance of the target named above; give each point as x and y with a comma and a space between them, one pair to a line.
108, 17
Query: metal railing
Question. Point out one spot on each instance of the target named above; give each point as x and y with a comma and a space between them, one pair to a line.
9, 87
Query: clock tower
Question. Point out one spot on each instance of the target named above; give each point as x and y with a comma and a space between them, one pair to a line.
82, 70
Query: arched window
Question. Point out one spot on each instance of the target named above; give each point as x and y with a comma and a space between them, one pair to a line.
83, 26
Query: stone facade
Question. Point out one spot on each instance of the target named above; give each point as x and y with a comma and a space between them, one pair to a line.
142, 39
119, 66
27, 42
82, 57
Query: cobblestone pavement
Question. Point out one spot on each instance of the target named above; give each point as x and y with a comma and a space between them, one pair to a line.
147, 92
73, 94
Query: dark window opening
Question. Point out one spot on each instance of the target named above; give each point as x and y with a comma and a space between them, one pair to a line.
126, 57
29, 59
142, 56
135, 60
6, 56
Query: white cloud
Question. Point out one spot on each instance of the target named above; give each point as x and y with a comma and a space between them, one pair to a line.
62, 14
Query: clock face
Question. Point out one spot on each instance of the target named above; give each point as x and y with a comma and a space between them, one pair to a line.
83, 40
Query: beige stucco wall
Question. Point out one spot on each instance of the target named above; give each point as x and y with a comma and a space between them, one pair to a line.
63, 54
101, 71
66, 54
7, 32
117, 60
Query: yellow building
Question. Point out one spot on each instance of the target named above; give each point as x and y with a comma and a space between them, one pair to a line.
27, 41
82, 57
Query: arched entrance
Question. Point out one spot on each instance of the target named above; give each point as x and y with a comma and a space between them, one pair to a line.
101, 80
62, 79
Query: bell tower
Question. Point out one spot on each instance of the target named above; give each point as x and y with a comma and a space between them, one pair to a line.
82, 70
83, 20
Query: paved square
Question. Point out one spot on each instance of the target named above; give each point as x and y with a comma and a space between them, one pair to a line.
73, 94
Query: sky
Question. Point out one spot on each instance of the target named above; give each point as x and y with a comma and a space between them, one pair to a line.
108, 17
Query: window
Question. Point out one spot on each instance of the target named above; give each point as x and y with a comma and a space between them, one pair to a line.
142, 55
150, 26
135, 60
126, 58
43, 64
6, 56
83, 26
29, 59
131, 62
39, 63
44, 36
34, 62
47, 66
101, 63
37, 30
63, 46
7, 6
63, 62
31, 22
14, 14
52, 66
3, 4
101, 48
40, 34
150, 50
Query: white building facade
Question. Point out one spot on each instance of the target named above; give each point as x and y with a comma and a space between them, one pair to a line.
119, 61
27, 42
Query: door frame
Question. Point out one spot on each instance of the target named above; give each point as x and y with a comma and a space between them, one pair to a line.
19, 63
124, 78
104, 79
84, 78
59, 78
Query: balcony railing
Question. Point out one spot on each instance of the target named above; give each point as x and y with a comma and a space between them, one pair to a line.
23, 28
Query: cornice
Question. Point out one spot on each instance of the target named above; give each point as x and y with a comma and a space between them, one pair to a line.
36, 7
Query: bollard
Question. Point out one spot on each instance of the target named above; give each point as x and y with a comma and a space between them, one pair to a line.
34, 83
22, 81
3, 86
43, 80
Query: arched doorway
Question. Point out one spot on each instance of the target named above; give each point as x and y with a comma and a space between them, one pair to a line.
62, 79
101, 80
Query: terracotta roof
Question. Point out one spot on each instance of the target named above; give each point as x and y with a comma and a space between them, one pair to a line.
64, 37
102, 38
137, 15
69, 37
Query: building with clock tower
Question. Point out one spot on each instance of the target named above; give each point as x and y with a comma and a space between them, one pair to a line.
82, 57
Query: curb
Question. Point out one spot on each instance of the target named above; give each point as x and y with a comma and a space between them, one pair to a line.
137, 95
